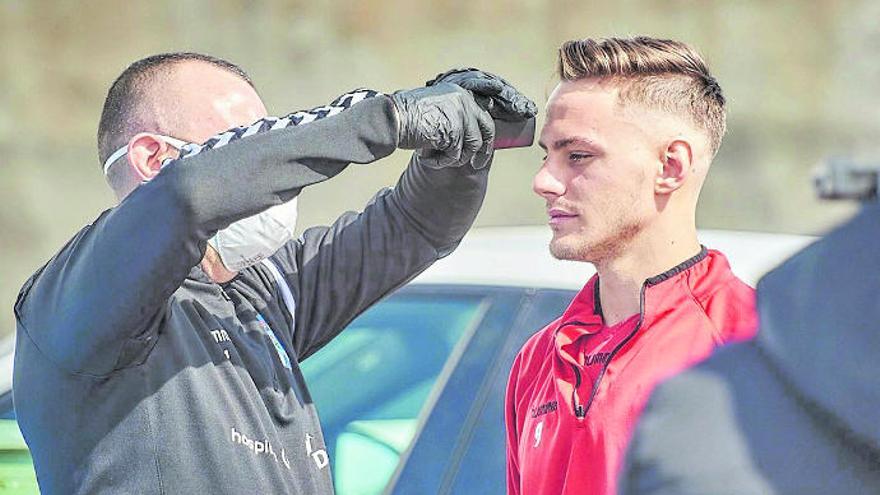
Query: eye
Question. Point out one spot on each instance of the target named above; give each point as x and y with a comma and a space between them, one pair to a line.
578, 157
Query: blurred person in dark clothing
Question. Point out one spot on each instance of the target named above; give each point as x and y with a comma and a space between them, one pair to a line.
794, 411
158, 351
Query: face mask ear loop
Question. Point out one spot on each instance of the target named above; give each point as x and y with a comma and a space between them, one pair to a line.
177, 143
173, 141
115, 156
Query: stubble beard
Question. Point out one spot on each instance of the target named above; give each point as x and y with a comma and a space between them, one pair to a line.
570, 249
579, 246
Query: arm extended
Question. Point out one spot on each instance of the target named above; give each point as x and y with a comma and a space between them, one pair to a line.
337, 272
110, 284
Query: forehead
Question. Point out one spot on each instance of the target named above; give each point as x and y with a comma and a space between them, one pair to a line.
571, 95
592, 111
203, 100
586, 107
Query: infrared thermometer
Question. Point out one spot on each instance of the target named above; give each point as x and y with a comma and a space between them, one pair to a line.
510, 134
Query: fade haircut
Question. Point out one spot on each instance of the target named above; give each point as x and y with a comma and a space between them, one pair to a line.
660, 74
124, 113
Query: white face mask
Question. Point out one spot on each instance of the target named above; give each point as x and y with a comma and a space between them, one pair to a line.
252, 239
249, 240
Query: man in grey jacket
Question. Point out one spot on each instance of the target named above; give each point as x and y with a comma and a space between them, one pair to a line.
793, 411
151, 359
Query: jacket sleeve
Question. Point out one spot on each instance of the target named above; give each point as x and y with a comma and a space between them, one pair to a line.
107, 290
338, 271
510, 423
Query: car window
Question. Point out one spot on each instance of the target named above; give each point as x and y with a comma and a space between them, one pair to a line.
371, 382
461, 447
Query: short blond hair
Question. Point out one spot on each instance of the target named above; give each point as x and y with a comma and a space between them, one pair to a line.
662, 74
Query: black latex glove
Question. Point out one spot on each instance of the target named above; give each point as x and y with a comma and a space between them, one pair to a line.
493, 93
445, 125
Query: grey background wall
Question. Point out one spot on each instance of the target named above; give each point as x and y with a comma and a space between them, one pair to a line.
802, 77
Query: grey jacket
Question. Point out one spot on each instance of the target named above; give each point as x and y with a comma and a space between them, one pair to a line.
794, 411
135, 373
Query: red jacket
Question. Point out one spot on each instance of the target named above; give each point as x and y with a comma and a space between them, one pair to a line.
569, 421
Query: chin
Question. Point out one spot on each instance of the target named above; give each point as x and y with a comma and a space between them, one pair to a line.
569, 250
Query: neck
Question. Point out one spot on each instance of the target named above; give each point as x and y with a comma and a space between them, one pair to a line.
621, 278
214, 268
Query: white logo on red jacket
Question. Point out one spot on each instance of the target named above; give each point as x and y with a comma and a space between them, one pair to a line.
538, 430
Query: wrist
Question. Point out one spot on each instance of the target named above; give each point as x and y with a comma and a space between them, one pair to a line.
397, 122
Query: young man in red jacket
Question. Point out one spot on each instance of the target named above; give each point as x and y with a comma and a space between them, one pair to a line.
630, 133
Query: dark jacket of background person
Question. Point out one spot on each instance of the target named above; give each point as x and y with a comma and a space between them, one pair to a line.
796, 411
136, 374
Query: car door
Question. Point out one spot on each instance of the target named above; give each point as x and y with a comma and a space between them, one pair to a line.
461, 446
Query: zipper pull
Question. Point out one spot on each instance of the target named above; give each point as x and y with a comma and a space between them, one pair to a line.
224, 294
579, 411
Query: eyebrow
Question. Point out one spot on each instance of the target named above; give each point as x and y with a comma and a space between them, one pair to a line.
563, 143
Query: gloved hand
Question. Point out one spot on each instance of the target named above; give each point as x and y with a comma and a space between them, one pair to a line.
445, 125
493, 93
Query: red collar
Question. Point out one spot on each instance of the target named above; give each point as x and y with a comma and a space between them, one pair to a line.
584, 315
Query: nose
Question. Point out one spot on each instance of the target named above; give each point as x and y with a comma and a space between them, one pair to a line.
548, 182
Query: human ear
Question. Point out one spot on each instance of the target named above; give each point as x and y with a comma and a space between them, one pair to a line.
675, 165
145, 155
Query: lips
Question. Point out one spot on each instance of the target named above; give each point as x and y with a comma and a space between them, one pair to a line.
559, 216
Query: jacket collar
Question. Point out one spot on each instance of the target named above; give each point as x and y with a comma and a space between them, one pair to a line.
584, 314
586, 307
680, 268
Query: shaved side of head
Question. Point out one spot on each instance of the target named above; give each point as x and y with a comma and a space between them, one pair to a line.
141, 99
